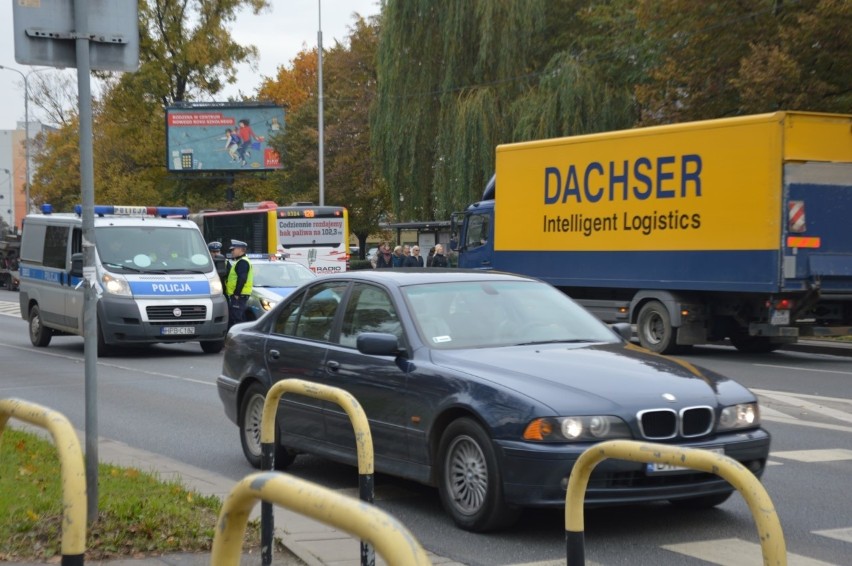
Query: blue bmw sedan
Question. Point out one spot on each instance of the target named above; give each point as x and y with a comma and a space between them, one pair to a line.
486, 385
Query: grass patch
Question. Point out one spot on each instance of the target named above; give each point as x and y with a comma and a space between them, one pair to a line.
138, 514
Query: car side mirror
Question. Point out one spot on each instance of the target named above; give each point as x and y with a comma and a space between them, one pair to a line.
378, 344
77, 265
623, 329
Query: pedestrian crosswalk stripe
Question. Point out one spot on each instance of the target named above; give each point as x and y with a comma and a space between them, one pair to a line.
10, 309
815, 455
734, 552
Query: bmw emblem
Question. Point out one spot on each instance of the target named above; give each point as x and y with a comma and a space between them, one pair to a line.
177, 312
669, 397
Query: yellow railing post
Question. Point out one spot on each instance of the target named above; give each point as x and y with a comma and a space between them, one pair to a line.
768, 526
394, 542
72, 469
363, 445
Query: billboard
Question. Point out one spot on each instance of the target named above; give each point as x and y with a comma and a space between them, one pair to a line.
222, 137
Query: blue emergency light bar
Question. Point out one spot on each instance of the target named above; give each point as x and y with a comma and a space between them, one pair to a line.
161, 211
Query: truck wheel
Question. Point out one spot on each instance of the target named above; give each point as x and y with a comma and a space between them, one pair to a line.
655, 331
40, 335
753, 344
469, 480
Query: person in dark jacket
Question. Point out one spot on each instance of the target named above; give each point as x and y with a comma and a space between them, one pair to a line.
439, 259
415, 259
398, 257
384, 258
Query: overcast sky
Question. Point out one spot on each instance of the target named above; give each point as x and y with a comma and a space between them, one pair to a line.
279, 34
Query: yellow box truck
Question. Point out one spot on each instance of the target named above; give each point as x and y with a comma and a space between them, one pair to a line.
737, 228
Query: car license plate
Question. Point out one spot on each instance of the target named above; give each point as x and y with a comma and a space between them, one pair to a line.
177, 330
780, 317
654, 468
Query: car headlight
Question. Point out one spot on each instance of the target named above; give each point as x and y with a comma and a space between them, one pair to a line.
576, 429
115, 285
215, 286
266, 304
744, 415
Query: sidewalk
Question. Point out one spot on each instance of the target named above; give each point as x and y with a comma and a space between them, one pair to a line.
309, 541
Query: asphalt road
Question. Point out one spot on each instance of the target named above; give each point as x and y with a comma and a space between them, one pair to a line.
163, 399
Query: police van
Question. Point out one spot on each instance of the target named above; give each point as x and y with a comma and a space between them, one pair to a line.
154, 278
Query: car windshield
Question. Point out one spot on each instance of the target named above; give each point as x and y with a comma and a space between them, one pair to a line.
152, 248
280, 274
483, 314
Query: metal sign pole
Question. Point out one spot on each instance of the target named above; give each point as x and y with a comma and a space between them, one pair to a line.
90, 315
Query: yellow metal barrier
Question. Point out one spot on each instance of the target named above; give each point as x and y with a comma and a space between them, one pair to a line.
363, 444
72, 469
768, 526
393, 541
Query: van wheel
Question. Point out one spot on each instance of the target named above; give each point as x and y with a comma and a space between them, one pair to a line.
212, 346
40, 335
104, 349
655, 330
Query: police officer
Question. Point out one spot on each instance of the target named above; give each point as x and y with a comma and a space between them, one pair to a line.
239, 282
220, 262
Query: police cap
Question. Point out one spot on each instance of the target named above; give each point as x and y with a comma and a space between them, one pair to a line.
238, 244
214, 246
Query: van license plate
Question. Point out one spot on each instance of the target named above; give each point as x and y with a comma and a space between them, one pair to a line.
177, 330
653, 468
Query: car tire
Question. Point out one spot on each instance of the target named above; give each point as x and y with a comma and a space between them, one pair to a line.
469, 479
40, 335
702, 502
251, 416
654, 329
212, 346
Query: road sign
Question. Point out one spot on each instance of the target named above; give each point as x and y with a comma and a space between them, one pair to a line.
45, 33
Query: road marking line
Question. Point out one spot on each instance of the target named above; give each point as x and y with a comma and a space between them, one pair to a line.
844, 535
798, 402
44, 352
795, 368
735, 552
816, 455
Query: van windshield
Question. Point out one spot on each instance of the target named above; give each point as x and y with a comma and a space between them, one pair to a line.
152, 248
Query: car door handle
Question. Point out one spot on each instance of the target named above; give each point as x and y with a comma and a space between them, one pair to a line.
332, 365
274, 354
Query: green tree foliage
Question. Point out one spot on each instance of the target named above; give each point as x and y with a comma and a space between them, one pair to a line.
807, 66
726, 58
458, 78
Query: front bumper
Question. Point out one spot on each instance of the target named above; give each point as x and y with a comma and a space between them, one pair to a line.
123, 320
537, 475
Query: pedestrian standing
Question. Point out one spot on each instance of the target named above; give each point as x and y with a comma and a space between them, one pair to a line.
398, 257
240, 282
384, 257
220, 262
415, 259
439, 259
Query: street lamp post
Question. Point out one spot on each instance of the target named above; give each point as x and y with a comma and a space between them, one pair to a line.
26, 131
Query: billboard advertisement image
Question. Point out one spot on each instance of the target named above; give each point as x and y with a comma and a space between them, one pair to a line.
222, 137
